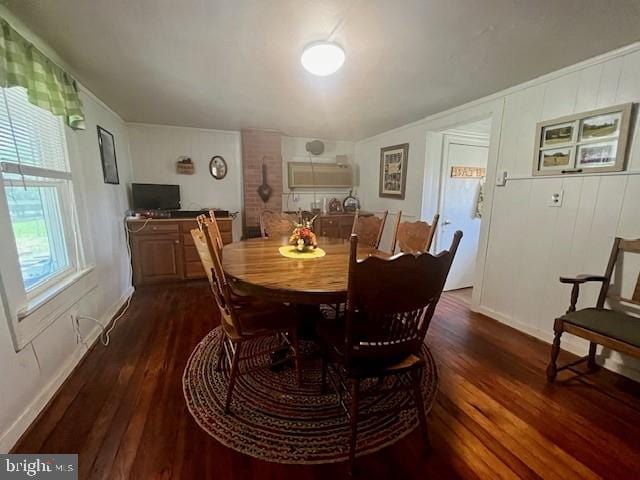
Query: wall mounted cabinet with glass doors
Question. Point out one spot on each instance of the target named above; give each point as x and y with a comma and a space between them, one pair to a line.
588, 142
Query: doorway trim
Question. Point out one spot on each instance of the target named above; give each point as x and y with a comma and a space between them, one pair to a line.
432, 180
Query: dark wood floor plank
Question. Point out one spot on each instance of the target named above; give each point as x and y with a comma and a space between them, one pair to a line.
495, 416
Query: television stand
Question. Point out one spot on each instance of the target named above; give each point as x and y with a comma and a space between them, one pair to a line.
162, 249
195, 213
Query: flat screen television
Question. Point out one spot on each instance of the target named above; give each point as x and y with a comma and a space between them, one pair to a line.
151, 196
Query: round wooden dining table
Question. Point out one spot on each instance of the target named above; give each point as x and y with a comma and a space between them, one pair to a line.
255, 266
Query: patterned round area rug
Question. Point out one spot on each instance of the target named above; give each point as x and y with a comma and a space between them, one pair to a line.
275, 420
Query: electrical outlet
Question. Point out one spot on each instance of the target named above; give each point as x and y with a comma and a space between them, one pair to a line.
556, 199
75, 323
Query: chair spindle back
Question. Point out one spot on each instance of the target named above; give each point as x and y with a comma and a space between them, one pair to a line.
274, 224
619, 245
414, 237
390, 302
369, 229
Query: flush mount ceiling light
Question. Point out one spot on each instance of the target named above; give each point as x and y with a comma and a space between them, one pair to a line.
322, 58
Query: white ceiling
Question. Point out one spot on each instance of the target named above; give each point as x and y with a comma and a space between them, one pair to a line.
229, 64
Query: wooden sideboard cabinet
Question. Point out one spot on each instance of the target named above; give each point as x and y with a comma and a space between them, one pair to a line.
162, 250
338, 225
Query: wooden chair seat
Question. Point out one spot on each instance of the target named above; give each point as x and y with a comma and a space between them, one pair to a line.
613, 329
610, 323
257, 318
331, 335
240, 298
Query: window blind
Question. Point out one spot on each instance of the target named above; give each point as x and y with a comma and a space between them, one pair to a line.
31, 138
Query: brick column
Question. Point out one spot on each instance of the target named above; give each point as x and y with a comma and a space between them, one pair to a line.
259, 146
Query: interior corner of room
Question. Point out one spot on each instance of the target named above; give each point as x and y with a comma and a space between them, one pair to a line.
466, 118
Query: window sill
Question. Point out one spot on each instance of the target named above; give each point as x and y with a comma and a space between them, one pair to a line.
45, 308
49, 294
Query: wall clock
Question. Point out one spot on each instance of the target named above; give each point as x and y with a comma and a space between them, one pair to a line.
218, 167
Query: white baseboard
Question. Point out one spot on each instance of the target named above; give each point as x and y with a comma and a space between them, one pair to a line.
9, 438
569, 343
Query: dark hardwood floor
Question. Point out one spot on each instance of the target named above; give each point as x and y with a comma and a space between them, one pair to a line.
123, 410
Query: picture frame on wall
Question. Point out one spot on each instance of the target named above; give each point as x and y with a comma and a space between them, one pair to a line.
589, 142
393, 171
108, 156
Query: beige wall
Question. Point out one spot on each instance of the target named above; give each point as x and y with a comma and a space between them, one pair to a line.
156, 148
294, 150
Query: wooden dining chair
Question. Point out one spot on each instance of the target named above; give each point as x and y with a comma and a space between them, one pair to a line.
246, 321
610, 327
276, 224
214, 229
413, 237
369, 229
384, 328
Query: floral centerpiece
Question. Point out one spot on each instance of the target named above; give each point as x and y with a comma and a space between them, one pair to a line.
303, 237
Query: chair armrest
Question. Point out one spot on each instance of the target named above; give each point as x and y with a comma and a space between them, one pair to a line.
579, 279
576, 282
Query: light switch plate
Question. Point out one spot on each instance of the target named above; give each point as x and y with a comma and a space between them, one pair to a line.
556, 199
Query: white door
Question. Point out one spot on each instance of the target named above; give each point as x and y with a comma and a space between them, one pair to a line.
458, 208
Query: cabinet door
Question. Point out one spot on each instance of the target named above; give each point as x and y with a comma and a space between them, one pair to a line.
329, 227
157, 258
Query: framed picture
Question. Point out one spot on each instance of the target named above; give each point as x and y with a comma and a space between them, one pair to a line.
592, 155
393, 171
556, 159
592, 142
108, 156
601, 126
553, 135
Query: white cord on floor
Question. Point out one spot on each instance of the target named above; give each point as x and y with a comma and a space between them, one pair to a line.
105, 335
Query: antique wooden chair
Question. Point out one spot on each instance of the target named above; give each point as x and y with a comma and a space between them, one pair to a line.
369, 229
275, 224
601, 326
245, 321
413, 237
383, 330
214, 230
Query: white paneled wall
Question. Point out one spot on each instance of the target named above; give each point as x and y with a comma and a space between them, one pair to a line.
530, 244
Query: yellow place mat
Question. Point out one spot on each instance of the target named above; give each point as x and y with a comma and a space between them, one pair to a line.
290, 251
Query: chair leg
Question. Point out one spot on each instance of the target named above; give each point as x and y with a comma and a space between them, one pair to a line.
552, 369
355, 397
232, 376
221, 348
591, 360
416, 377
296, 354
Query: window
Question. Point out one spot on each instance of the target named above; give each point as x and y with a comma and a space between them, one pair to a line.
36, 180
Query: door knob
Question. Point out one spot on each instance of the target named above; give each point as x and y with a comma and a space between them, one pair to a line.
447, 222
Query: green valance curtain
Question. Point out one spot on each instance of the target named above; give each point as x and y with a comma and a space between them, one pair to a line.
48, 86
